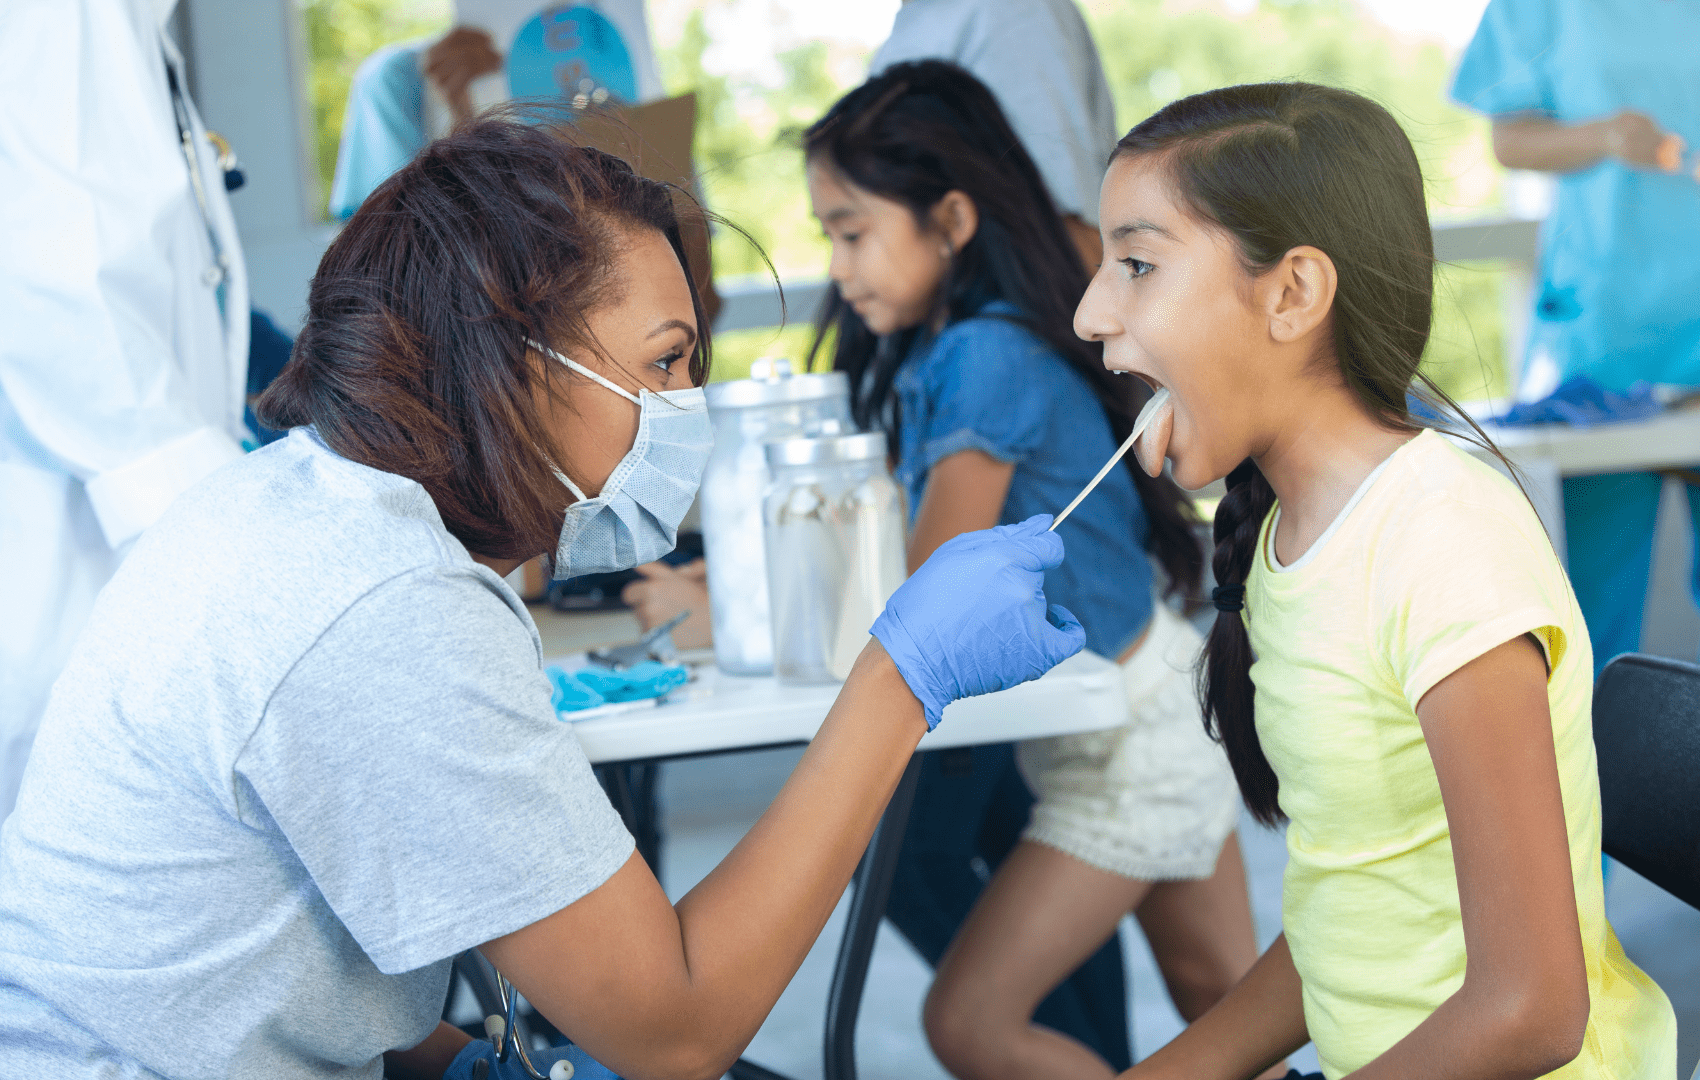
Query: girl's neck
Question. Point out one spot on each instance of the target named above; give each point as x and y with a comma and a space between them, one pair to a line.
1318, 462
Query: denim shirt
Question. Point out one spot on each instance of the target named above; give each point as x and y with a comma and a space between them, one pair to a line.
986, 383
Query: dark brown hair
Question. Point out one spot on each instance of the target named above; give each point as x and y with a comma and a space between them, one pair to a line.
1277, 166
918, 131
413, 357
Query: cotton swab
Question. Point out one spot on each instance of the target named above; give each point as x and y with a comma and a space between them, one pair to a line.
1146, 415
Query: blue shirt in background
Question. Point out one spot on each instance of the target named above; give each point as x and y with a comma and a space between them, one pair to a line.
986, 383
383, 127
1618, 298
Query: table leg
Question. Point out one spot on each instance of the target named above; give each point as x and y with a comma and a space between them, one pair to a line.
631, 789
872, 888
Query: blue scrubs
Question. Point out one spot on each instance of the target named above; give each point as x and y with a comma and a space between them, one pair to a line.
383, 127
1619, 273
555, 50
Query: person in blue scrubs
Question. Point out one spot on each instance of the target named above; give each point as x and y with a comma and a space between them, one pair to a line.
1606, 94
385, 125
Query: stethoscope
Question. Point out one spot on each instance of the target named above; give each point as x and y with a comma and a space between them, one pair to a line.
233, 178
504, 1035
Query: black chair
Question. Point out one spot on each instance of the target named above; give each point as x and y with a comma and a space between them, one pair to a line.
1647, 737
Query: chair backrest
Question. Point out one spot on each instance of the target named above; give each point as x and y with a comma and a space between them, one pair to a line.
1647, 736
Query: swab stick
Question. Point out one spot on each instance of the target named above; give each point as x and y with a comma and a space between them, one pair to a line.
1146, 415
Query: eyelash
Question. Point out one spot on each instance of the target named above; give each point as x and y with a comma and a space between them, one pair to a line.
666, 362
1133, 268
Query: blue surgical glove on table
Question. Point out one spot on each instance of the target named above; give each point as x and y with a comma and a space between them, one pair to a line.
465, 1062
973, 618
1582, 402
588, 688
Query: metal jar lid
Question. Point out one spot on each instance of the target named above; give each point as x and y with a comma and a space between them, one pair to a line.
743, 393
831, 449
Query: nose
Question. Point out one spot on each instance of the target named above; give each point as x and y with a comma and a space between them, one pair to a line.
1094, 319
838, 266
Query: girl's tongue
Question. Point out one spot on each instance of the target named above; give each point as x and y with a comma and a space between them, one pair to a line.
1152, 446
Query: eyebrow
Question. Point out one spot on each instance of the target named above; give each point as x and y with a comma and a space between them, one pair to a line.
674, 324
1121, 232
838, 214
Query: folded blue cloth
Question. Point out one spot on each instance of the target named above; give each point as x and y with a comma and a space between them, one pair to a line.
1582, 402
1579, 402
586, 688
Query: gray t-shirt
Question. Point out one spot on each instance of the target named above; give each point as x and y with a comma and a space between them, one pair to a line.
1038, 59
303, 754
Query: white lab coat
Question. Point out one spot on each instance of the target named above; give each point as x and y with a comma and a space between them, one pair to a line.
121, 381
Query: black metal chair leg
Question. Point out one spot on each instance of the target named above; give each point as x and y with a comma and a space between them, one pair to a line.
631, 789
867, 907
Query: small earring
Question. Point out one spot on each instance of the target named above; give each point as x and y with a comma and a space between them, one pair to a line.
945, 252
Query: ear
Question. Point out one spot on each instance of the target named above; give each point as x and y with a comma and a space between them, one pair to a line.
1298, 293
956, 218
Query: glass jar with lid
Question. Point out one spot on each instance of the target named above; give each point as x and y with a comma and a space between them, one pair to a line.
835, 551
747, 414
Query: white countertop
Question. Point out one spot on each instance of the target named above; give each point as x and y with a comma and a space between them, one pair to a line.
719, 712
1671, 439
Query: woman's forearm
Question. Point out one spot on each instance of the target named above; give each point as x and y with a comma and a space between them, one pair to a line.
664, 990
749, 924
1258, 1023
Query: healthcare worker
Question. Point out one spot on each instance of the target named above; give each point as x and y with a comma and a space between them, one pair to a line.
125, 308
388, 120
305, 753
1605, 94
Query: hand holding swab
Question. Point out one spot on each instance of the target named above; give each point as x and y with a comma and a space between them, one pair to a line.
1146, 416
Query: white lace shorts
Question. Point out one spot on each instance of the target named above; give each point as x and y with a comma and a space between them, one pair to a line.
1153, 799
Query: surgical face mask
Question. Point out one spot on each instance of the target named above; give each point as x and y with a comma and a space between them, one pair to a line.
635, 518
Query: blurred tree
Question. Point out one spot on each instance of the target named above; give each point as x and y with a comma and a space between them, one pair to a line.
1153, 51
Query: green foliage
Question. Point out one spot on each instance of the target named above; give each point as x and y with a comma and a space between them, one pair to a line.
341, 34
1152, 56
736, 350
747, 151
1467, 347
1153, 51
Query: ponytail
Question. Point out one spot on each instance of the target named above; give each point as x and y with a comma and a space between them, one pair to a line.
1225, 687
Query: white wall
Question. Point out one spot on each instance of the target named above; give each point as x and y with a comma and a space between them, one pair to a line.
247, 76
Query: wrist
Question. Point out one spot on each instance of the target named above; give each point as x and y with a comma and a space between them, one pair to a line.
876, 671
916, 680
1608, 137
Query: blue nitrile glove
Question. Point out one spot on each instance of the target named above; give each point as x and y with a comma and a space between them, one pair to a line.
571, 695
589, 687
648, 679
465, 1062
973, 619
1582, 402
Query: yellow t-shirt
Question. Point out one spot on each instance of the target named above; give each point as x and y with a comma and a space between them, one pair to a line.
1440, 560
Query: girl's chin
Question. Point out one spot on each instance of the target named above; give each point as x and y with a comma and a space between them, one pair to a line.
1188, 471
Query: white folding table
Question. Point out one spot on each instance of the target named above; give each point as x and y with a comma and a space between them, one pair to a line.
1547, 453
720, 713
